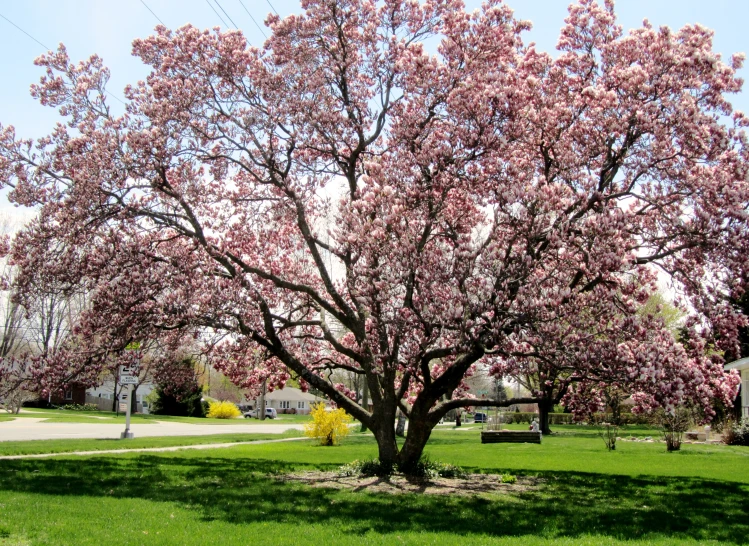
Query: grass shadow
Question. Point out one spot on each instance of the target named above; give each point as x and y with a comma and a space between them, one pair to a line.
568, 504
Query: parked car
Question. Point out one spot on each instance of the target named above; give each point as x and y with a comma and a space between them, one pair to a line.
479, 417
270, 413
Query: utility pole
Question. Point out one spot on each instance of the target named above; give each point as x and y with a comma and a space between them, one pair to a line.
129, 377
127, 434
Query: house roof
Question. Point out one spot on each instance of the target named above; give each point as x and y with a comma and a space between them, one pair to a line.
292, 394
740, 364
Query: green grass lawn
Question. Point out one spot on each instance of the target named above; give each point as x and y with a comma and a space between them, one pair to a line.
31, 447
636, 495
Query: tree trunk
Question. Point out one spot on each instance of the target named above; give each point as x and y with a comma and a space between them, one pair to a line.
261, 405
365, 403
616, 410
419, 431
544, 408
386, 444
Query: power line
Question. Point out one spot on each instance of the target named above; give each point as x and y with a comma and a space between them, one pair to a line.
227, 15
271, 7
152, 12
115, 96
26, 33
217, 13
253, 19
50, 49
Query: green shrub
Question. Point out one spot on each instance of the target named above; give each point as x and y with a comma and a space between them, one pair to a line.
429, 469
446, 470
370, 467
351, 469
425, 468
374, 467
509, 478
569, 418
561, 419
223, 410
80, 407
328, 427
184, 402
519, 417
737, 434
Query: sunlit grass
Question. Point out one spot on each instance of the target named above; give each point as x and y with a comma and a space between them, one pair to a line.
638, 494
30, 447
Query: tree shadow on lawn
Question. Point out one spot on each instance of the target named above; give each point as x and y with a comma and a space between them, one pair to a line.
567, 504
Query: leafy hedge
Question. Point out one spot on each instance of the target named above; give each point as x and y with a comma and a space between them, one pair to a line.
568, 418
80, 407
520, 417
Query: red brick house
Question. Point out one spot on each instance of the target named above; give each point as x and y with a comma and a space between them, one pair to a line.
72, 394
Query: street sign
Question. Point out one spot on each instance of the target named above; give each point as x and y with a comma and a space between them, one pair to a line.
126, 370
123, 407
128, 380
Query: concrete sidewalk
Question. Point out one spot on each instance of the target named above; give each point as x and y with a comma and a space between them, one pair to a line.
144, 449
31, 428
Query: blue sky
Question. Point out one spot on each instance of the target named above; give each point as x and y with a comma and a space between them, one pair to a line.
108, 28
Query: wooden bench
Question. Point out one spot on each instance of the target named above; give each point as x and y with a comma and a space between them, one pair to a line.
510, 436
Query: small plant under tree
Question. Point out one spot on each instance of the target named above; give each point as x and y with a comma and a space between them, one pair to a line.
607, 430
674, 424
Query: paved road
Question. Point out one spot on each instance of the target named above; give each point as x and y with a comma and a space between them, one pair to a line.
29, 428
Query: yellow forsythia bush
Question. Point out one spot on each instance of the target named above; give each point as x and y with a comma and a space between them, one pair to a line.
223, 410
329, 427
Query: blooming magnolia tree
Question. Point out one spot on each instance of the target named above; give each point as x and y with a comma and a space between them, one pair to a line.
342, 199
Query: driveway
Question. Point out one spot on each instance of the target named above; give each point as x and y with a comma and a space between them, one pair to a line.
34, 429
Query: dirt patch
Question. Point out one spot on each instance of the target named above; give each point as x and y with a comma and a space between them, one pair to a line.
474, 484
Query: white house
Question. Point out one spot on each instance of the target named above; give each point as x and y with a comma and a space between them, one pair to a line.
742, 366
291, 400
103, 394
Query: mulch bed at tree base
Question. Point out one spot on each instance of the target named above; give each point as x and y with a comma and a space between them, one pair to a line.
474, 484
